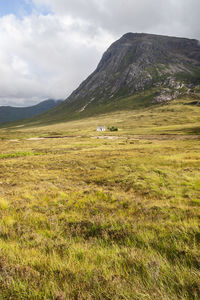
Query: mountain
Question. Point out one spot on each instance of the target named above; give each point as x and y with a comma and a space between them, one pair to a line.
139, 61
137, 70
9, 113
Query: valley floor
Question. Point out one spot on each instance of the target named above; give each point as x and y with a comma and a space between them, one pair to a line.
83, 217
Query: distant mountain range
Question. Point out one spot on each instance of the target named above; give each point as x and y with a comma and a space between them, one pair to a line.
9, 113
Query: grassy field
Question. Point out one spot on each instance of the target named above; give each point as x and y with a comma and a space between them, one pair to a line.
87, 215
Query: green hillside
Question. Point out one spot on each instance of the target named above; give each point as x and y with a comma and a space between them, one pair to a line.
134, 115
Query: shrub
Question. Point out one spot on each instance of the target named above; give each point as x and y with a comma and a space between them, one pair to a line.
113, 128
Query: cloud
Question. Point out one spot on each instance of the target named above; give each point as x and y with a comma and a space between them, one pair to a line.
46, 55
173, 17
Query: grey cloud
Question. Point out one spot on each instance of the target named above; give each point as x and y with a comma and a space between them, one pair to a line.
172, 17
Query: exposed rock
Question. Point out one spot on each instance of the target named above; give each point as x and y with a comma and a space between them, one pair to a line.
166, 95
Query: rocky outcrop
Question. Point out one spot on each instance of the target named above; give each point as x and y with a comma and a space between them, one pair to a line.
138, 61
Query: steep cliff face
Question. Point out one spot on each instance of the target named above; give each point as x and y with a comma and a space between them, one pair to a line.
138, 61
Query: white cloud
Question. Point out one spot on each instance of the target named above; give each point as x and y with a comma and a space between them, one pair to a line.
172, 17
44, 56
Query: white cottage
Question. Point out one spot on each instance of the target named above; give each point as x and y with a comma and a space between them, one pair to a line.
101, 128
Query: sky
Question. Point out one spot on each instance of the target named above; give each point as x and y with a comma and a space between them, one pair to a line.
48, 47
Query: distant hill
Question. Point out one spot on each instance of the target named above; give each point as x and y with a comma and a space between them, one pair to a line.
9, 113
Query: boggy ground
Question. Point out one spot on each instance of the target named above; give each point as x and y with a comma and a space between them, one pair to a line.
87, 218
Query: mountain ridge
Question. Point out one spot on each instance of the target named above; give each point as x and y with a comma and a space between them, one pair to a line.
11, 113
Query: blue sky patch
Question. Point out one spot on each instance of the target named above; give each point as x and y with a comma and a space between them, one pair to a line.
20, 8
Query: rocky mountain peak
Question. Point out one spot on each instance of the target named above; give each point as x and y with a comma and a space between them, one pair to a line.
138, 61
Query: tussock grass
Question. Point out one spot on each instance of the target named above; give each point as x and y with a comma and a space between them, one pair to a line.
18, 154
102, 218
3, 204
